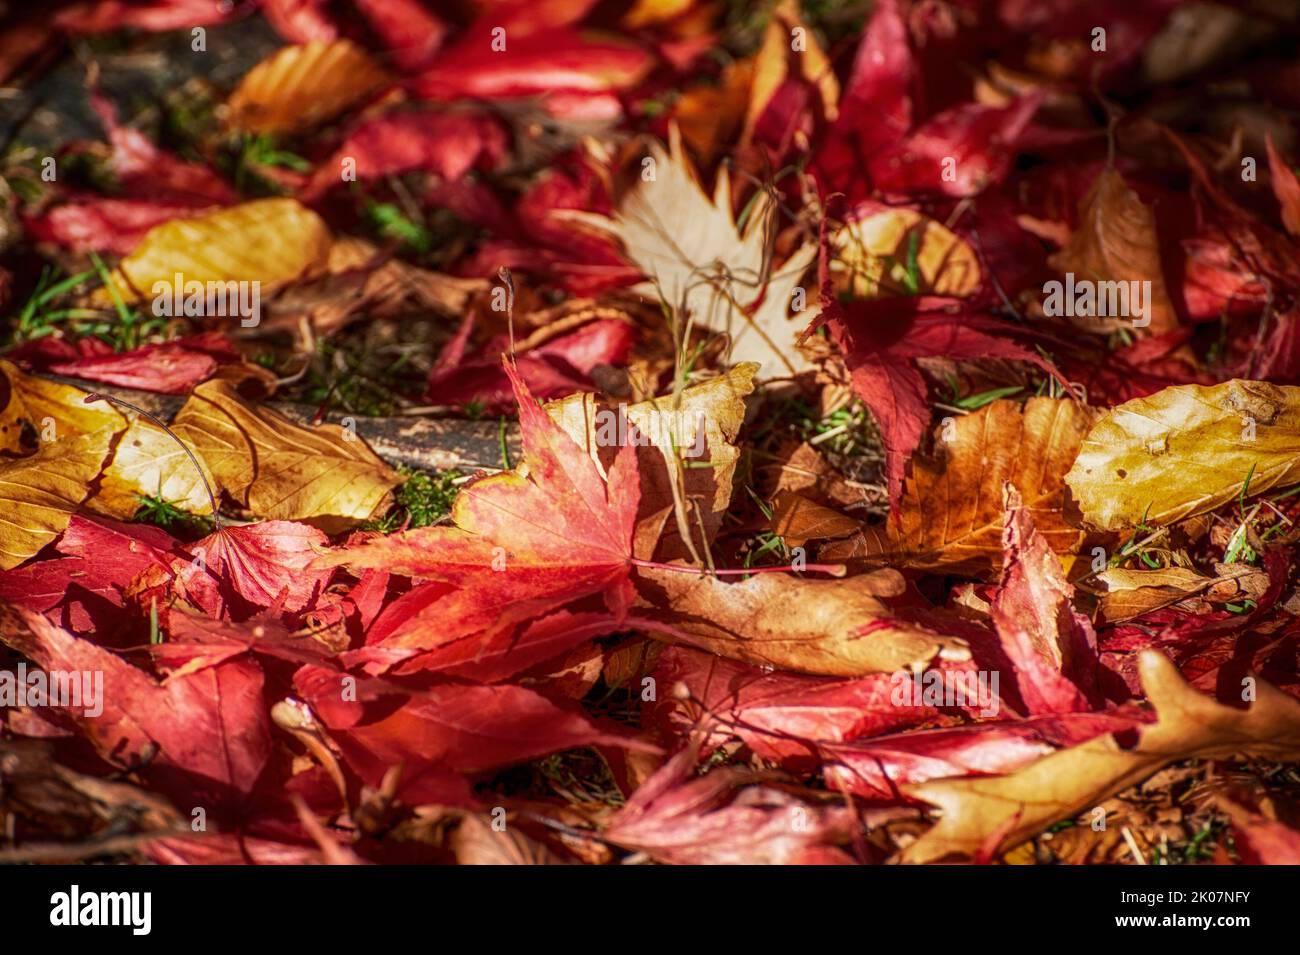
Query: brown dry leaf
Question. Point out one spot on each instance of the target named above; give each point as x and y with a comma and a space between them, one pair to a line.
476, 842
710, 115
271, 241
872, 255
47, 410
283, 471
719, 276
39, 493
1184, 451
1117, 242
390, 279
1131, 593
831, 627
1188, 725
299, 87
798, 520
1199, 35
361, 279
951, 512
717, 404
801, 468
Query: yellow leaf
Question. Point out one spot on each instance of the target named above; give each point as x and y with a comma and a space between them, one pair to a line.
47, 410
149, 462
39, 493
299, 87
1186, 450
324, 475
875, 250
270, 241
647, 12
1131, 593
1188, 725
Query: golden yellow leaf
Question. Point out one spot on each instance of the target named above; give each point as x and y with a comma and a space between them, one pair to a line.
148, 462
1188, 725
46, 410
39, 493
951, 513
831, 627
299, 87
324, 475
270, 241
872, 256
1184, 451
1117, 242
647, 12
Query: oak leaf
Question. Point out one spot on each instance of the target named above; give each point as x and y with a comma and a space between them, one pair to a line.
1188, 725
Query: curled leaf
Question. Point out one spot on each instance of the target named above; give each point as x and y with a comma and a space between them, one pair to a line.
299, 87
282, 470
269, 241
835, 627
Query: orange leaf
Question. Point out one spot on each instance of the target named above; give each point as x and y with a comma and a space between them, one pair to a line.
298, 87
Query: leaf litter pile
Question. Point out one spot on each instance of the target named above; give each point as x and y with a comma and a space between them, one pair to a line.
661, 432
